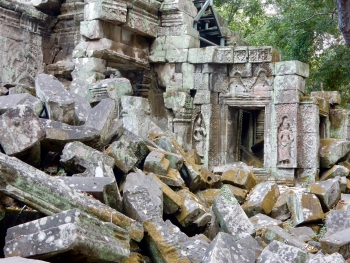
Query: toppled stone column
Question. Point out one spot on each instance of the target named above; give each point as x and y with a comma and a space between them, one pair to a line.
49, 196
66, 232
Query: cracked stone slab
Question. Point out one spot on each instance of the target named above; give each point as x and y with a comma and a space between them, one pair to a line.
49, 196
238, 174
58, 102
224, 249
68, 231
230, 215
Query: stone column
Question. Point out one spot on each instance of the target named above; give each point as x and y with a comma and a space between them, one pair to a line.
289, 85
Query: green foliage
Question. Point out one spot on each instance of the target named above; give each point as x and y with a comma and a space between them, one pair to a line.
301, 30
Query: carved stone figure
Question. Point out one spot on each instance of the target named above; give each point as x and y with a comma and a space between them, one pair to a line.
199, 135
285, 140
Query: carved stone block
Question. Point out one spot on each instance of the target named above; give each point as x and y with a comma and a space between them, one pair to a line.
177, 31
268, 69
94, 29
187, 70
308, 145
240, 55
176, 55
286, 96
243, 70
284, 176
202, 97
181, 42
289, 82
219, 82
293, 67
211, 68
308, 118
286, 127
201, 81
305, 176
142, 21
106, 10
223, 55
263, 54
176, 19
333, 97
171, 6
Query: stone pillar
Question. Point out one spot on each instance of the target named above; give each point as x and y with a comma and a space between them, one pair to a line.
289, 84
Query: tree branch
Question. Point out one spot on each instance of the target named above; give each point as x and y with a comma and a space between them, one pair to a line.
318, 14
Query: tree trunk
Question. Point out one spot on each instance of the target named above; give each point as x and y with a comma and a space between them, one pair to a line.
344, 19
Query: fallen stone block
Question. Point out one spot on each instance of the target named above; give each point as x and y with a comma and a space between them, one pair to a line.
21, 133
113, 88
337, 221
68, 231
12, 101
128, 151
320, 258
333, 97
250, 243
337, 242
304, 208
81, 109
77, 154
19, 260
344, 202
194, 249
231, 216
175, 160
142, 197
262, 221
22, 88
328, 192
101, 188
280, 210
191, 210
238, 174
58, 102
171, 200
336, 170
156, 163
224, 249
276, 233
332, 150
261, 199
172, 178
279, 252
49, 196
303, 233
97, 131
164, 242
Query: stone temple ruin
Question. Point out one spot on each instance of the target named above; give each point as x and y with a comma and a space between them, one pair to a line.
147, 131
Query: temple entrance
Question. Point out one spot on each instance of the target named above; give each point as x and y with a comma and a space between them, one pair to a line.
247, 143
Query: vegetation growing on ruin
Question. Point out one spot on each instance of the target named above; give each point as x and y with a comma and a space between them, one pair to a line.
301, 30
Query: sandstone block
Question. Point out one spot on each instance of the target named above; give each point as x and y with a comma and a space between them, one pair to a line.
231, 216
261, 199
328, 192
224, 249
106, 10
304, 208
262, 221
66, 232
332, 150
337, 242
335, 171
12, 101
156, 163
333, 97
239, 174
293, 67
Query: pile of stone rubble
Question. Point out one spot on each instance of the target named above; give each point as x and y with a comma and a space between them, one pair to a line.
108, 185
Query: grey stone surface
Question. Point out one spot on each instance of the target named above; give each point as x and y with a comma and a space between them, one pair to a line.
19, 260
261, 221
333, 258
337, 242
328, 192
11, 101
48, 195
21, 132
277, 250
58, 102
68, 231
156, 163
231, 216
104, 189
337, 221
142, 197
224, 249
